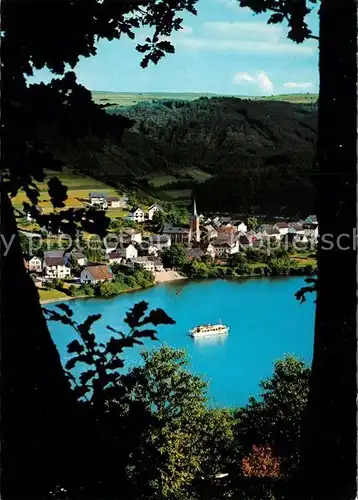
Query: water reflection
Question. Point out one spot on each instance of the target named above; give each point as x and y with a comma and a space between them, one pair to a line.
211, 339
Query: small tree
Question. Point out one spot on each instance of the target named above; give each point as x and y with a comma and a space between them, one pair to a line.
261, 463
274, 419
174, 256
108, 289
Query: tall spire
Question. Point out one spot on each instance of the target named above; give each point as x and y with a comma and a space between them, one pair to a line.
195, 213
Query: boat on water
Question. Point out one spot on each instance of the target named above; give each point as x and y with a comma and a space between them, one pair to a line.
208, 330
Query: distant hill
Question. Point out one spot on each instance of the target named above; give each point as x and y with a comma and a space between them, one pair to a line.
235, 154
130, 99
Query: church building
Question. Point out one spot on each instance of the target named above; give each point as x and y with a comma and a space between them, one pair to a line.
195, 225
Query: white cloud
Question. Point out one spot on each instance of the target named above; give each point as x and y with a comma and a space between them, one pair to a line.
297, 85
243, 46
243, 77
261, 79
264, 82
245, 30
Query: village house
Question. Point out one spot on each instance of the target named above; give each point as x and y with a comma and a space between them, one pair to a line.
152, 250
153, 209
123, 201
142, 262
98, 200
132, 236
269, 231
158, 264
210, 250
177, 234
114, 258
79, 258
210, 231
311, 232
296, 227
55, 268
96, 274
240, 226
225, 247
113, 202
35, 264
111, 243
161, 241
127, 251
227, 231
311, 219
283, 227
136, 214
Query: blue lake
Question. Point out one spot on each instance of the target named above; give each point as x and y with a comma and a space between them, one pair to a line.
266, 322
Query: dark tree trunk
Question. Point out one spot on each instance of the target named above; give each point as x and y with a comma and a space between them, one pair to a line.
36, 401
329, 437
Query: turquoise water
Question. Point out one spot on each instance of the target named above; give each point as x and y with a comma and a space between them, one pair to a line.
265, 320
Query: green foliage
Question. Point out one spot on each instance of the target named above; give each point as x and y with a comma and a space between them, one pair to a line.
243, 269
185, 439
252, 223
274, 418
280, 266
256, 255
174, 257
107, 289
236, 259
196, 269
104, 359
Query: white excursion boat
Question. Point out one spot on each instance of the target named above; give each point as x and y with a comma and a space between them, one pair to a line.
208, 330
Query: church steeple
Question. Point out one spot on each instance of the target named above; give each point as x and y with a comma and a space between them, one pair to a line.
195, 213
194, 224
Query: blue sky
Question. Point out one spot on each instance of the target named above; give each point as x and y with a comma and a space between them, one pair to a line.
225, 49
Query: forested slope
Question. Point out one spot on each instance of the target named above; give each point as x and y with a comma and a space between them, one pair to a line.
260, 153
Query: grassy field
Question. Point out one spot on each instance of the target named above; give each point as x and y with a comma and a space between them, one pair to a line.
79, 187
51, 294
130, 99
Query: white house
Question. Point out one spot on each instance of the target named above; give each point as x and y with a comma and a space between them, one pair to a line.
133, 235
283, 227
158, 264
211, 231
136, 214
114, 258
55, 267
35, 265
96, 274
210, 250
143, 263
240, 226
113, 202
152, 250
98, 200
161, 241
147, 263
153, 209
269, 231
128, 251
311, 232
224, 248
78, 257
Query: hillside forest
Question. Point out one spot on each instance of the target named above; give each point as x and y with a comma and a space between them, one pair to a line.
234, 155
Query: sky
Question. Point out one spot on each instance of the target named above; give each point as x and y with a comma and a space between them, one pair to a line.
225, 49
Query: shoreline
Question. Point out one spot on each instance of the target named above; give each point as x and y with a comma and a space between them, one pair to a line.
167, 277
